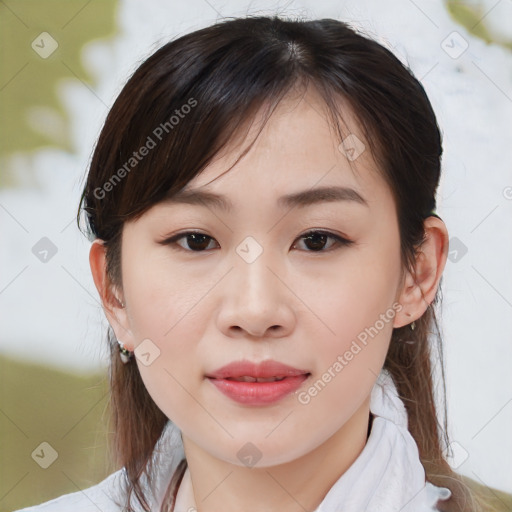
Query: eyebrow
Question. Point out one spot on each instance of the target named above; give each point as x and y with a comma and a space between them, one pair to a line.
300, 199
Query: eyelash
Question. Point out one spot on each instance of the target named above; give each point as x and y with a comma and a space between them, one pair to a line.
340, 241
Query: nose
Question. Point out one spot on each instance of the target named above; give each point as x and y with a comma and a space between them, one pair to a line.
256, 301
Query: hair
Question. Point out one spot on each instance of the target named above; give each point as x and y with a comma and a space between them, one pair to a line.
201, 89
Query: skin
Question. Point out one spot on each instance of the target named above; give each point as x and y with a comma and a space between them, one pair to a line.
292, 304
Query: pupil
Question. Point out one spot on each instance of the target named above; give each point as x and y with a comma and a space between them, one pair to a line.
194, 240
316, 236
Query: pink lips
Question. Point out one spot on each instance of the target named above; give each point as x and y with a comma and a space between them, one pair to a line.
257, 393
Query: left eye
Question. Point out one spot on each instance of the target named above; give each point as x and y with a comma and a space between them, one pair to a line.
198, 242
317, 239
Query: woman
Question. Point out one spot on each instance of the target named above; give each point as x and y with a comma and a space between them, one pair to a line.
261, 201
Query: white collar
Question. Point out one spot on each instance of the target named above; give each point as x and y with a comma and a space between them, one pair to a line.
388, 475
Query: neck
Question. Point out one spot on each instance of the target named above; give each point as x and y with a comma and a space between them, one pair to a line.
296, 486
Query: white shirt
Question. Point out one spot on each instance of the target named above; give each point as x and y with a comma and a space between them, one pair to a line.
387, 475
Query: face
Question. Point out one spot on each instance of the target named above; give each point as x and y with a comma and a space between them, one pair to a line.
267, 280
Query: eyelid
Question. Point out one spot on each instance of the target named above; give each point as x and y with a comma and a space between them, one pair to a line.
172, 238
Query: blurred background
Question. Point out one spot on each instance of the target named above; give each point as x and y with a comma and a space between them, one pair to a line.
62, 63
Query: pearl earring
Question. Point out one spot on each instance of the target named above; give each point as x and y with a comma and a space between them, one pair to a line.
125, 354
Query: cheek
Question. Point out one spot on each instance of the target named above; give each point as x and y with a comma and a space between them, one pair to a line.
161, 295
173, 374
165, 326
168, 387
357, 313
351, 297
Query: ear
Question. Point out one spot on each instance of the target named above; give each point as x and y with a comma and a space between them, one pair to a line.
419, 290
111, 297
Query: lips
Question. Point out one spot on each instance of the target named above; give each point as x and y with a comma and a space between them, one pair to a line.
257, 384
256, 372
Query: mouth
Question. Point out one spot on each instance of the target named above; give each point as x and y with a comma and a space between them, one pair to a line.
257, 384
253, 391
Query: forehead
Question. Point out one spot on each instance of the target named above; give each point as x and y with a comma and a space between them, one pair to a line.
297, 149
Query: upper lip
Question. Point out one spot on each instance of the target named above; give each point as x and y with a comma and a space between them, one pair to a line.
265, 369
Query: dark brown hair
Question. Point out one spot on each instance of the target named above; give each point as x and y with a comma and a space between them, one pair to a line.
193, 96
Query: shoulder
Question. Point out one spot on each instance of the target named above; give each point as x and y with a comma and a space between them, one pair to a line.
103, 496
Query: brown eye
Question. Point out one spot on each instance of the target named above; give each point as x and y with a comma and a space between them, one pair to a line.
194, 241
316, 240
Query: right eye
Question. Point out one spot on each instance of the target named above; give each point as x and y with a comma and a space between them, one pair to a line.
195, 240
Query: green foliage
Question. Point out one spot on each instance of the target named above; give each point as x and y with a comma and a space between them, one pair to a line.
472, 17
497, 501
39, 404
31, 112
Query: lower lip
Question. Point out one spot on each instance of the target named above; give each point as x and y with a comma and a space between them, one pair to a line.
258, 393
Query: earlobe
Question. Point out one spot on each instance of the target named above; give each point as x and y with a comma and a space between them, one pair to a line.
111, 299
420, 289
